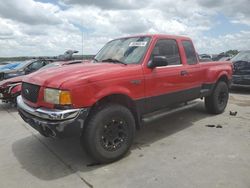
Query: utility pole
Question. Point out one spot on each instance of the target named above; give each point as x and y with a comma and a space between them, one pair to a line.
82, 38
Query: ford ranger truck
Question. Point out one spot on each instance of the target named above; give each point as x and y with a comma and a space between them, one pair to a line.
130, 81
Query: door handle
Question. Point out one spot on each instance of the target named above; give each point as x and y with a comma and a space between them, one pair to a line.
184, 73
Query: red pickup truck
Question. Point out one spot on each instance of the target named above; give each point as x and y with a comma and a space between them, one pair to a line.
131, 80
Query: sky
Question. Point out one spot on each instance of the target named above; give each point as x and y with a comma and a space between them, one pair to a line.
50, 27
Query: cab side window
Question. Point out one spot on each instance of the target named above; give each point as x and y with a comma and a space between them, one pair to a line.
190, 52
36, 65
169, 49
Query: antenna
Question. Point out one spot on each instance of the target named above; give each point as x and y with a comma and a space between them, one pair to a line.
82, 39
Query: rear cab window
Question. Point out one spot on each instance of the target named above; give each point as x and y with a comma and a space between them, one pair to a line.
189, 52
169, 49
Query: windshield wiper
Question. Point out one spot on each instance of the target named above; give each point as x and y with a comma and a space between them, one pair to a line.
114, 61
96, 60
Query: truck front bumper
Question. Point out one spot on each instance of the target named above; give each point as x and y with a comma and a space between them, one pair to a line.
7, 94
51, 122
241, 81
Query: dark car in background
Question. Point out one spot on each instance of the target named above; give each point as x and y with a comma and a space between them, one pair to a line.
225, 59
241, 69
22, 68
205, 58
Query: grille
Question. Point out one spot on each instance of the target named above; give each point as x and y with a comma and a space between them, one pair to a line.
30, 92
241, 68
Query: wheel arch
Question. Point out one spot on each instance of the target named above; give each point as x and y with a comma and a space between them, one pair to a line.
224, 78
121, 99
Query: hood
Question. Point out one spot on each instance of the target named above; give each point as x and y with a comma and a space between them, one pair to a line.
11, 80
9, 67
241, 67
77, 74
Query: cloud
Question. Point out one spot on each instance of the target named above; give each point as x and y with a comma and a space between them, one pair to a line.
238, 11
38, 28
109, 4
239, 41
6, 29
29, 12
130, 22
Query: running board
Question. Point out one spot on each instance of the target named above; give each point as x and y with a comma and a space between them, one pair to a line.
205, 92
162, 113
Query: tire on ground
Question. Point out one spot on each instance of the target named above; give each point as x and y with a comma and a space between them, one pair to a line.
217, 101
109, 132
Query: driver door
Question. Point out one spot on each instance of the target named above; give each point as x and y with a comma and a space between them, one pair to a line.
165, 84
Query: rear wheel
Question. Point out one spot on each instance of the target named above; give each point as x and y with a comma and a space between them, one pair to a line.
217, 102
109, 133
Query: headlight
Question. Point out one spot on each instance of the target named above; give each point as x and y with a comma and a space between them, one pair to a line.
14, 84
56, 96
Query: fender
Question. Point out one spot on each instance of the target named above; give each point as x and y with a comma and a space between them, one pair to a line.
214, 73
94, 92
111, 91
222, 73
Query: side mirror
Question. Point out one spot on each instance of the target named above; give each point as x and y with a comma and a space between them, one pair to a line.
158, 61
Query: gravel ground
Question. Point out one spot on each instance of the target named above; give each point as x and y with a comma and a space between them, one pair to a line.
187, 149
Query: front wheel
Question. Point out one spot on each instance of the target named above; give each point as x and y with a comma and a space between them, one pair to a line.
217, 102
109, 133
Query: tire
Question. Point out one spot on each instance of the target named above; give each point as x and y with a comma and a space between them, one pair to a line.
108, 134
217, 101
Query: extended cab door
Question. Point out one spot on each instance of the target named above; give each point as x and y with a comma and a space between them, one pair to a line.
194, 75
165, 85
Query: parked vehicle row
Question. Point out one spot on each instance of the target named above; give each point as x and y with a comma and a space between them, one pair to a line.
22, 68
11, 88
131, 80
11, 74
241, 69
3, 63
9, 66
205, 58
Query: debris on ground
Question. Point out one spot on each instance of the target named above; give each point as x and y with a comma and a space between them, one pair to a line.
233, 113
219, 126
210, 125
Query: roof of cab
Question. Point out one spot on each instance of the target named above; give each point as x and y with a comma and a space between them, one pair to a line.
159, 36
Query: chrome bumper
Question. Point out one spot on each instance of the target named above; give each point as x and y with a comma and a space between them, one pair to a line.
240, 86
48, 114
51, 122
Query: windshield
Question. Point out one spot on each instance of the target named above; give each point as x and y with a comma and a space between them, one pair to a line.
22, 64
242, 56
51, 65
125, 50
